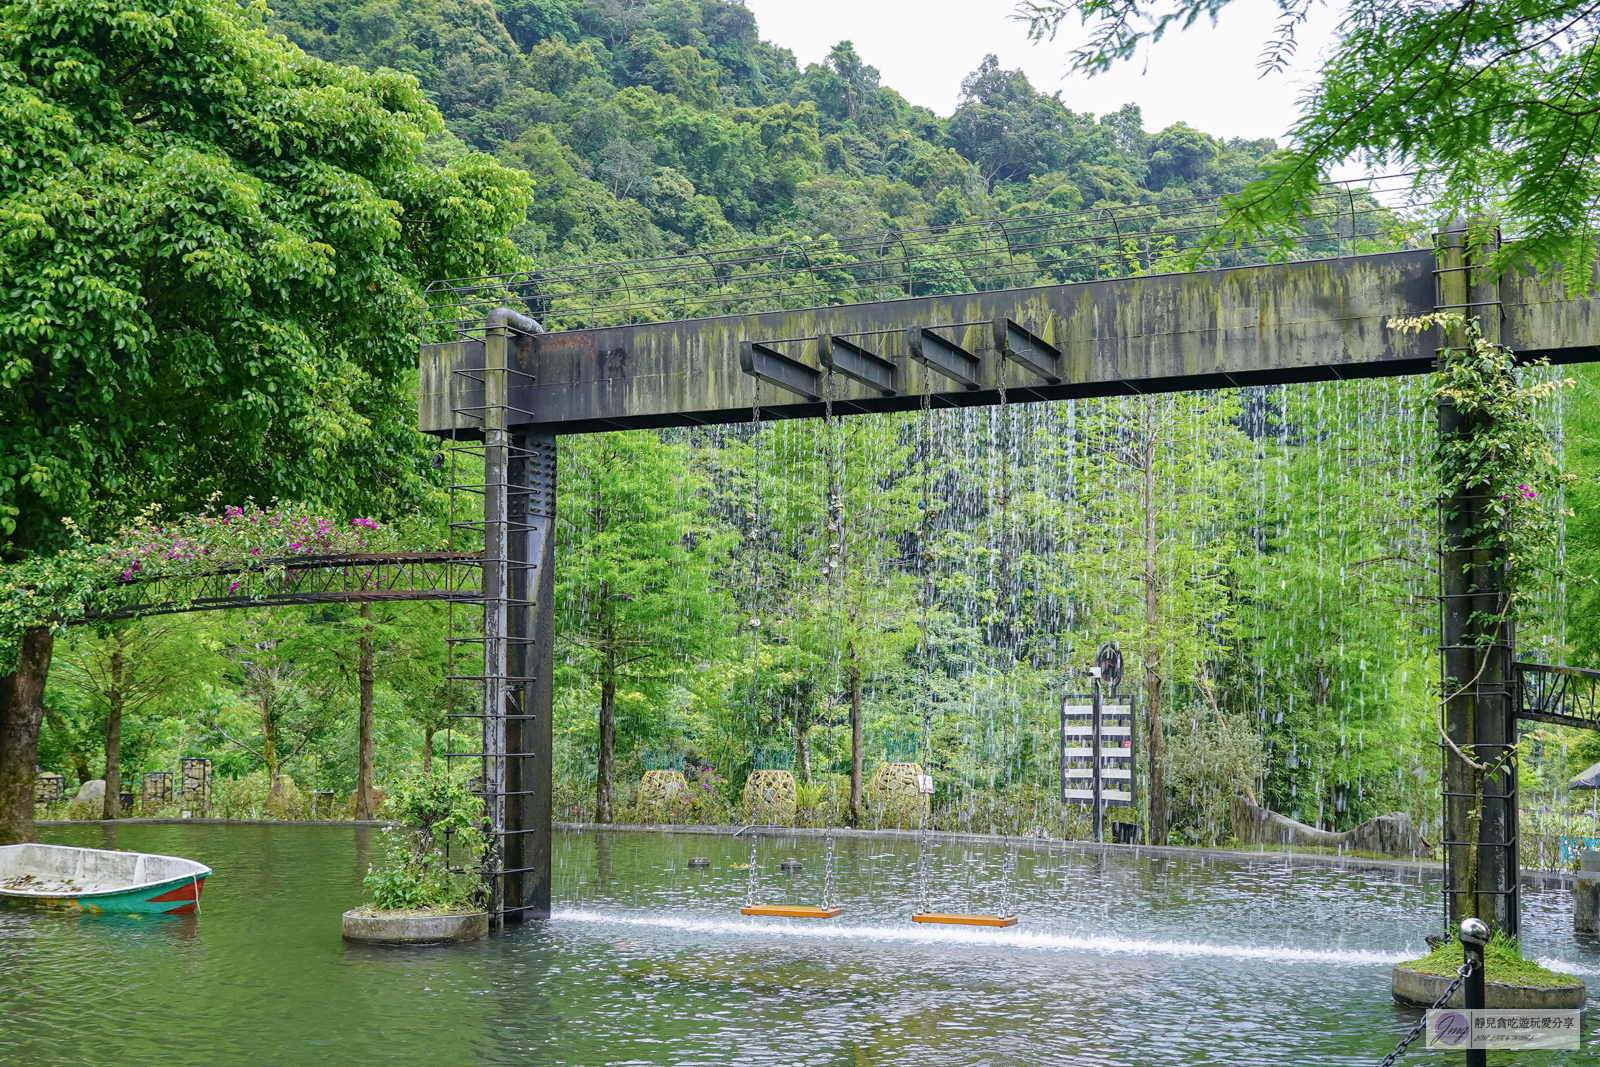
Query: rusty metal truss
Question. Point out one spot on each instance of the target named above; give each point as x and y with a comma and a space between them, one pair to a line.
343, 579
1565, 696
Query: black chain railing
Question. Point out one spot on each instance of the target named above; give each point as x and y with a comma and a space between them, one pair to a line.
1463, 972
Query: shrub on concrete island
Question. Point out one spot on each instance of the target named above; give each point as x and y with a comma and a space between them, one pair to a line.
435, 850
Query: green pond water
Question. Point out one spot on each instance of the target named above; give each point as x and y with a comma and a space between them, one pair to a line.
1117, 960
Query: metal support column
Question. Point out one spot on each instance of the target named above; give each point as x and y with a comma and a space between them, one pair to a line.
1095, 719
1476, 646
512, 669
496, 444
530, 658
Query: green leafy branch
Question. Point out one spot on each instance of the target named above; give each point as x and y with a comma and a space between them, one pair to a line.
1500, 455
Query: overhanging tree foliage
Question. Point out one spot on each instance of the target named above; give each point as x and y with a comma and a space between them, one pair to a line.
211, 246
1492, 103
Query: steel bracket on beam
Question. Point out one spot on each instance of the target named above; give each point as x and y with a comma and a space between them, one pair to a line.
773, 367
943, 355
855, 362
1027, 350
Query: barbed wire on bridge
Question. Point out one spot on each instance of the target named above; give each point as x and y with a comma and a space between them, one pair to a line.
965, 257
342, 579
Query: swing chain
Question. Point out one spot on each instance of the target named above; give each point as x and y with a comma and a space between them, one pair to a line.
753, 883
827, 871
922, 868
1005, 879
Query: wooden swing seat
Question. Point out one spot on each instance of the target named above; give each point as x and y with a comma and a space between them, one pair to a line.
964, 920
791, 911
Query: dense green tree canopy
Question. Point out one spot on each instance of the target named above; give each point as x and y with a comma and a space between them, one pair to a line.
212, 249
1491, 104
669, 125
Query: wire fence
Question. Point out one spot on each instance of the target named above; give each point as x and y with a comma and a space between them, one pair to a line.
1005, 253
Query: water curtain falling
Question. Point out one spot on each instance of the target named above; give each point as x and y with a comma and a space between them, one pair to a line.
952, 569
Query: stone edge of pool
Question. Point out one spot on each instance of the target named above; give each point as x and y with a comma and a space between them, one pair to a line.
132, 821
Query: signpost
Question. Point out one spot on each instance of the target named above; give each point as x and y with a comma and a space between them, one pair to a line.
1097, 753
1097, 756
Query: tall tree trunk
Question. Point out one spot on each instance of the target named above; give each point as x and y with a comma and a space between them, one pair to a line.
74, 754
427, 751
802, 752
365, 758
112, 806
21, 709
269, 739
856, 817
605, 772
1152, 636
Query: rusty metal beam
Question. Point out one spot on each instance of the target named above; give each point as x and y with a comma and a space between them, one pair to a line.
1023, 348
944, 356
773, 367
843, 356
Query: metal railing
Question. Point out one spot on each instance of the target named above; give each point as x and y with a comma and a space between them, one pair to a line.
1565, 696
964, 257
338, 579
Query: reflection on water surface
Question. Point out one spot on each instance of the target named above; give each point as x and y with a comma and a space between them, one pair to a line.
1120, 960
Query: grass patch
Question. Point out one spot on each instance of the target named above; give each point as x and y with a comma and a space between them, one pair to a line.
372, 911
1503, 962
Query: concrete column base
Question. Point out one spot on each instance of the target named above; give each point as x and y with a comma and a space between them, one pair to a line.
1586, 905
385, 929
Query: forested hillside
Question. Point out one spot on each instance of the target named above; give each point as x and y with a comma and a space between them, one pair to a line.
667, 126
835, 596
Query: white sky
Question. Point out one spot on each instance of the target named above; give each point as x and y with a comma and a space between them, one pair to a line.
1206, 77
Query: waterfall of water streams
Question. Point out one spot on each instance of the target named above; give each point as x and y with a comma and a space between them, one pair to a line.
963, 564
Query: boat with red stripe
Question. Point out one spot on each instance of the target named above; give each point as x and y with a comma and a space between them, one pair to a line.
101, 880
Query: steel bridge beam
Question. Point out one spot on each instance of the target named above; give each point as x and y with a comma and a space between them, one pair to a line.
1563, 696
1282, 323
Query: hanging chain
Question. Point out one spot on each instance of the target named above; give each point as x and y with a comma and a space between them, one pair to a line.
832, 508
923, 841
827, 871
753, 882
1392, 1058
1008, 863
755, 575
925, 560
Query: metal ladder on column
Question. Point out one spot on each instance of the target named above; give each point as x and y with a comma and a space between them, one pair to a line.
487, 509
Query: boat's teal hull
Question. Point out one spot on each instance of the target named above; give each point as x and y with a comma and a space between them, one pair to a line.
100, 879
172, 897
